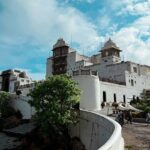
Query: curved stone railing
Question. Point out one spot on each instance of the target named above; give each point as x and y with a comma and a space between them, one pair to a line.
98, 132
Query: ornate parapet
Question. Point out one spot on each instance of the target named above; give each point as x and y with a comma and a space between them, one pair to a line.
85, 72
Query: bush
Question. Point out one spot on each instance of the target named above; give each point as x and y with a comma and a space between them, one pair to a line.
53, 100
4, 103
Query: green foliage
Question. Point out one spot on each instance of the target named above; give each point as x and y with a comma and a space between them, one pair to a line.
53, 100
143, 104
5, 108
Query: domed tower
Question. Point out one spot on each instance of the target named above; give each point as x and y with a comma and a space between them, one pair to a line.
110, 53
60, 52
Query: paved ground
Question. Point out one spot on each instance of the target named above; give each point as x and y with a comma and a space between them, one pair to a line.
21, 129
9, 138
7, 142
136, 136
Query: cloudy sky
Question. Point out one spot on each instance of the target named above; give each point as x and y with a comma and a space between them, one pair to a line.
29, 28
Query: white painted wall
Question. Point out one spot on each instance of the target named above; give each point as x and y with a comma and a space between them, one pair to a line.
98, 132
119, 90
90, 96
21, 103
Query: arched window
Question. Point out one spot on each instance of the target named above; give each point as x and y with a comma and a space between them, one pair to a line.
104, 96
115, 100
124, 98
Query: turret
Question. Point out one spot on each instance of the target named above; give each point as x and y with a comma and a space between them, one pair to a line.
110, 52
60, 52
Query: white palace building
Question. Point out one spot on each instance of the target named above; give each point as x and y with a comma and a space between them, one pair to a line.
117, 80
103, 77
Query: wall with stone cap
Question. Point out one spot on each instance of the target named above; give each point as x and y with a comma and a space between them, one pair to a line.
119, 90
98, 132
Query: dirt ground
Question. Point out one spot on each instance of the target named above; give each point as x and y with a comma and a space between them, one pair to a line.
136, 136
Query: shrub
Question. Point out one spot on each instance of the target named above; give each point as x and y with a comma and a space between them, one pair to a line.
53, 100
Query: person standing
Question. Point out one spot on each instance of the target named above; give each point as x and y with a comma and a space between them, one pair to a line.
148, 118
130, 116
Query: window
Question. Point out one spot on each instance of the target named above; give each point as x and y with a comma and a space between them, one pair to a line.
124, 98
104, 96
132, 83
135, 69
115, 98
22, 80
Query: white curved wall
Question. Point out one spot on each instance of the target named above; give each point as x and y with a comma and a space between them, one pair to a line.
90, 88
98, 132
21, 103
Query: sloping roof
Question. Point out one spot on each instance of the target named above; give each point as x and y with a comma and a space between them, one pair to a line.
60, 43
110, 44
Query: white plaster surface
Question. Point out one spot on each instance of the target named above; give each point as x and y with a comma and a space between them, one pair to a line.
98, 132
21, 103
90, 96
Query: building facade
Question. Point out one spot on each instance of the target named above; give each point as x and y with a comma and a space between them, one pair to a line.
119, 81
11, 80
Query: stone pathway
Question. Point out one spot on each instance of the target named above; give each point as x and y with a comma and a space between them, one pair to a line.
136, 136
9, 137
7, 142
20, 130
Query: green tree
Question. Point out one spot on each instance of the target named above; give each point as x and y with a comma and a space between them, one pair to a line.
53, 100
4, 103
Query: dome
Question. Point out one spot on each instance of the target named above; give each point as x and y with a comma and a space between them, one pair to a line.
110, 44
60, 42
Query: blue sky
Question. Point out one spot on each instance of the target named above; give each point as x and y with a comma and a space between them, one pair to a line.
29, 28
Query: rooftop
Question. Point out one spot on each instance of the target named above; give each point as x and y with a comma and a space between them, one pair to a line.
110, 44
60, 43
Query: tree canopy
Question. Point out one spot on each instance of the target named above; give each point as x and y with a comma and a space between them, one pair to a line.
4, 103
53, 100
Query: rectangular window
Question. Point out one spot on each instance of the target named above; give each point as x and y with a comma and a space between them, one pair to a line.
132, 83
135, 69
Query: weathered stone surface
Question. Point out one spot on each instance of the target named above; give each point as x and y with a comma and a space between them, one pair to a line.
7, 142
20, 130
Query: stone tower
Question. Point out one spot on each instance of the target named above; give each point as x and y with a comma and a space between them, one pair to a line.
110, 53
59, 61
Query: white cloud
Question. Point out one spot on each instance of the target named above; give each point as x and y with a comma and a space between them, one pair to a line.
104, 21
87, 1
135, 7
44, 22
133, 46
133, 37
29, 27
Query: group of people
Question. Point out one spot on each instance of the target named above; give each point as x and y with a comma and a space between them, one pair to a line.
127, 115
124, 115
